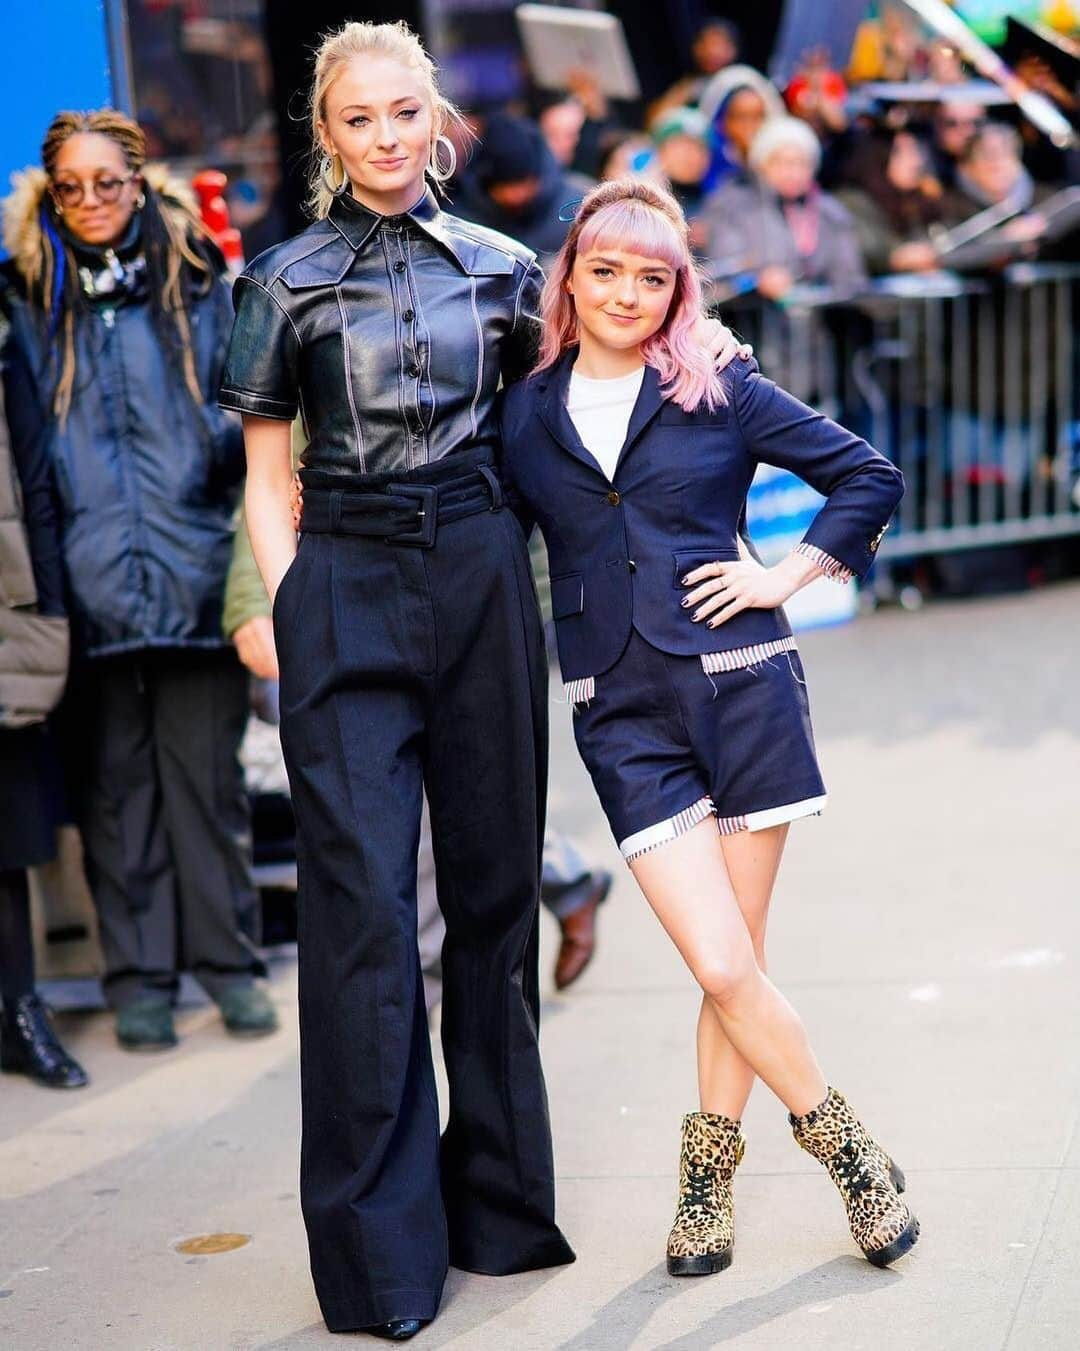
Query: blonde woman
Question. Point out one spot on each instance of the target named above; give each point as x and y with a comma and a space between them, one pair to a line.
411, 658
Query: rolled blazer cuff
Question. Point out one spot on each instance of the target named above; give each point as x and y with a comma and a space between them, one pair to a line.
831, 567
828, 543
261, 405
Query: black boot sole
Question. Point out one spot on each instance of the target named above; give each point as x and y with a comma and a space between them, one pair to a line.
9, 1066
705, 1265
884, 1257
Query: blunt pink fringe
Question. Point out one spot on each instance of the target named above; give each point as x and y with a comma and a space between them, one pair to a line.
637, 218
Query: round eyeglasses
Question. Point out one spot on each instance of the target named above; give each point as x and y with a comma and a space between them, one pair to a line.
71, 192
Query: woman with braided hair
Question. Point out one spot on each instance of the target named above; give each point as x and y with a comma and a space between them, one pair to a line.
119, 321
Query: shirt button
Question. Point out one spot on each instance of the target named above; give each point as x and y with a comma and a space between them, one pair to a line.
413, 371
614, 498
399, 266
632, 565
408, 316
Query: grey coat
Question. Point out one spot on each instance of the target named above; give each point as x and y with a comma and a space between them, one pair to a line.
747, 231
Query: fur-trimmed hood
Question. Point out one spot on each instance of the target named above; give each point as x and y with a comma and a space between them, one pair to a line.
22, 212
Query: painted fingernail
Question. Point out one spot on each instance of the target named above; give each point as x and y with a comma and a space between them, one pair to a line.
695, 618
686, 580
685, 602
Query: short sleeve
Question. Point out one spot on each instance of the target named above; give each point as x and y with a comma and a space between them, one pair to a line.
522, 343
261, 368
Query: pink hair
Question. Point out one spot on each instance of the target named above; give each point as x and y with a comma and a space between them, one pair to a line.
637, 217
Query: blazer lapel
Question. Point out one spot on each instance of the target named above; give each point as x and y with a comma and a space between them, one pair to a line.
648, 404
551, 407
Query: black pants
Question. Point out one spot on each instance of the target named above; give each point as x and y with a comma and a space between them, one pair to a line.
405, 668
165, 823
16, 939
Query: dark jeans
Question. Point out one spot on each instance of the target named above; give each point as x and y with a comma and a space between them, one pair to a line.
164, 820
404, 669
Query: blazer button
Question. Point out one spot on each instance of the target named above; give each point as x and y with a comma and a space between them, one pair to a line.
408, 316
413, 372
614, 498
399, 266
631, 565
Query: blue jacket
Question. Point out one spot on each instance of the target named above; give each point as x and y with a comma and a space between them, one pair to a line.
146, 481
618, 550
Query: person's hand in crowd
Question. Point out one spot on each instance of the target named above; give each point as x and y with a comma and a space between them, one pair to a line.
296, 501
585, 87
254, 642
1026, 229
915, 256
774, 282
719, 341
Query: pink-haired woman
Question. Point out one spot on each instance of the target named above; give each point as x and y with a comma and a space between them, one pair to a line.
634, 456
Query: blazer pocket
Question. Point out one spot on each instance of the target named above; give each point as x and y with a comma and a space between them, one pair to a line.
567, 595
686, 560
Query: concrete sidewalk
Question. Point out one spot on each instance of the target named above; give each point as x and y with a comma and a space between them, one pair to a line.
927, 929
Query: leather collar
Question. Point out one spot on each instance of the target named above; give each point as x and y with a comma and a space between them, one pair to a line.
358, 224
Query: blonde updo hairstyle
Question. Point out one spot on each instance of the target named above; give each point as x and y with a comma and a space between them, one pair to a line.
397, 42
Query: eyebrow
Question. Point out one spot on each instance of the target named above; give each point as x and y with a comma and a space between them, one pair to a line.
366, 107
613, 262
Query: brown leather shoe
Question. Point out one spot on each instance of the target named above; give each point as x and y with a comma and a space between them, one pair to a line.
579, 935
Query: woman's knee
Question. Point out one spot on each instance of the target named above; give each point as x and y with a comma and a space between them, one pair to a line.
725, 976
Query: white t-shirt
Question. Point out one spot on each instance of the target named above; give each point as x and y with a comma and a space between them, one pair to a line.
600, 410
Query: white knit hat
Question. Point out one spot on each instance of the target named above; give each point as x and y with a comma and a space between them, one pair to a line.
783, 133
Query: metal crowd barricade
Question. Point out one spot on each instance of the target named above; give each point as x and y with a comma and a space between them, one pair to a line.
971, 386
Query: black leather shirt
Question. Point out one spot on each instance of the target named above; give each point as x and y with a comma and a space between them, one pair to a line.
389, 333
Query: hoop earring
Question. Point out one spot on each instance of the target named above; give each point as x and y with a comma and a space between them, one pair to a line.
440, 175
326, 169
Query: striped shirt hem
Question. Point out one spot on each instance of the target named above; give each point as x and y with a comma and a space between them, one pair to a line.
737, 658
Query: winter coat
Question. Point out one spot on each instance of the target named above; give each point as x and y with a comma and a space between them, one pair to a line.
146, 478
747, 231
33, 626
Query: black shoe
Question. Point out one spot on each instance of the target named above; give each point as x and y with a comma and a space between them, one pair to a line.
146, 1024
247, 1011
29, 1045
400, 1330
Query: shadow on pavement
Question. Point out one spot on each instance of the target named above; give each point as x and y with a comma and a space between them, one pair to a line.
618, 1324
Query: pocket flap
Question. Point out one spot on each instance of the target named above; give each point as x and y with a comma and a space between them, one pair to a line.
686, 560
567, 595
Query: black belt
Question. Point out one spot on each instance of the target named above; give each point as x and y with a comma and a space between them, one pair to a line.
401, 513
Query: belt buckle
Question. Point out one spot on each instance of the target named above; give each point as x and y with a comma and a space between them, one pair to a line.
426, 495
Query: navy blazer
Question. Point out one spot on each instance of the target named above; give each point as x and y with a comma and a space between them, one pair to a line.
618, 550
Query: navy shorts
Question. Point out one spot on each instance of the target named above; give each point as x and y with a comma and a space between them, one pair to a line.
669, 744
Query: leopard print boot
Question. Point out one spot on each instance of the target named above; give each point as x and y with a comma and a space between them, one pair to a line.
703, 1237
867, 1179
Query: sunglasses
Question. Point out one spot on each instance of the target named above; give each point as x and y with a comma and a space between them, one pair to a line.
69, 193
973, 122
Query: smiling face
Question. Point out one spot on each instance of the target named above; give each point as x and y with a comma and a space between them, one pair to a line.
379, 119
621, 298
90, 167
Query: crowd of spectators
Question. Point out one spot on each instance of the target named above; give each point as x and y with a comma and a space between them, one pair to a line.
827, 181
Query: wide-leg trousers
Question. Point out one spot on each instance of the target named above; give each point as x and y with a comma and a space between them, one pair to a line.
405, 669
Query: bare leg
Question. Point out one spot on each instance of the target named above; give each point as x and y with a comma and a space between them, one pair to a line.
688, 885
753, 861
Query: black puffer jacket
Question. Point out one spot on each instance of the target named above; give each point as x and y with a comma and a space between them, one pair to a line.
147, 479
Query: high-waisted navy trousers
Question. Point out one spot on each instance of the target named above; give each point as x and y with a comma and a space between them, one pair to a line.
405, 667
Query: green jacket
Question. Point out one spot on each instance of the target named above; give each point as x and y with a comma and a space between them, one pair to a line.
245, 595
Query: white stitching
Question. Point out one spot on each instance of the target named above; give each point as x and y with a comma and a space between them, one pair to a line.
346, 350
